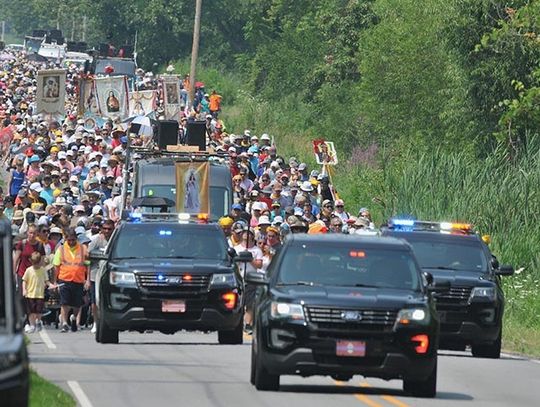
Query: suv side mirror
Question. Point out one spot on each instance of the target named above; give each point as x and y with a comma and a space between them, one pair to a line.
98, 255
429, 277
243, 257
256, 278
232, 252
494, 262
505, 270
439, 287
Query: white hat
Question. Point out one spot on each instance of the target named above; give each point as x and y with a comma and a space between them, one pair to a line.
96, 209
43, 220
36, 186
306, 186
265, 137
92, 155
264, 220
257, 206
73, 178
55, 230
60, 201
277, 220
70, 152
103, 164
62, 155
254, 138
88, 150
80, 230
79, 208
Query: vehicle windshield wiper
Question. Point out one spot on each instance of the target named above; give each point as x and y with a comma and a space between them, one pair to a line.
128, 258
440, 268
310, 283
177, 257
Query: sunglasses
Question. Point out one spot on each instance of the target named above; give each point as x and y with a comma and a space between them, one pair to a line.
105, 228
339, 206
328, 206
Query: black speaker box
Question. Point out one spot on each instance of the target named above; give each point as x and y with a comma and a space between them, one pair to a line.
167, 133
196, 135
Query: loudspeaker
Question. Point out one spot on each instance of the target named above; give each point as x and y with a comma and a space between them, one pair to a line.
196, 135
103, 50
167, 133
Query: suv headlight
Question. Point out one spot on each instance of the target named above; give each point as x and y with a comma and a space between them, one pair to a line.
283, 310
122, 279
412, 316
484, 293
8, 360
227, 279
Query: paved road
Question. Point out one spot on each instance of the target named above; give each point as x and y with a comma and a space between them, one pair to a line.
191, 369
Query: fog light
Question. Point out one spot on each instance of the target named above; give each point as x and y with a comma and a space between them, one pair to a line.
119, 301
487, 315
421, 342
281, 338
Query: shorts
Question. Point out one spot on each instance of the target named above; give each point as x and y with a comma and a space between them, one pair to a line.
250, 294
71, 293
92, 292
35, 305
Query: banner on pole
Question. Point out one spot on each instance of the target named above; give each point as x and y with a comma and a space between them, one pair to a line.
325, 152
172, 99
51, 92
113, 97
142, 103
192, 187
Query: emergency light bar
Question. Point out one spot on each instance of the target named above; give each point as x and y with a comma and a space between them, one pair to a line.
411, 225
136, 217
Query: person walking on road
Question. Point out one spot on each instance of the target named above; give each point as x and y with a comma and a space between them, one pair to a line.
71, 263
23, 251
35, 280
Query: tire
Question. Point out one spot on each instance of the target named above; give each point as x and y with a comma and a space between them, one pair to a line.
425, 388
264, 380
490, 351
17, 397
104, 334
253, 364
233, 337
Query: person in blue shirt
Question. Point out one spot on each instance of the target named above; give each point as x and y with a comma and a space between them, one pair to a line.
17, 179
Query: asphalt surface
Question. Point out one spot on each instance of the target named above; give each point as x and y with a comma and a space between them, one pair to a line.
191, 369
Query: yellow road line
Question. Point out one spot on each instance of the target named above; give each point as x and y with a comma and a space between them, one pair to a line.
364, 399
390, 399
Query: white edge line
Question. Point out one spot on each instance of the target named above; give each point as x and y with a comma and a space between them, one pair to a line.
47, 339
79, 394
520, 357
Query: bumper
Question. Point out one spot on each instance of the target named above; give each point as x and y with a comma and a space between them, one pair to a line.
303, 361
140, 319
468, 333
14, 379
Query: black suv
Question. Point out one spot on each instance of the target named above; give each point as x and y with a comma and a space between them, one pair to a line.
471, 312
14, 371
343, 305
168, 276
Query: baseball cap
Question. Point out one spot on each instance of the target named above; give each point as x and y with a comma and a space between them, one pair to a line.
36, 186
237, 206
62, 155
79, 208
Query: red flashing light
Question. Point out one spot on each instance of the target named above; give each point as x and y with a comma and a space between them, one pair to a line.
229, 300
422, 343
187, 277
354, 253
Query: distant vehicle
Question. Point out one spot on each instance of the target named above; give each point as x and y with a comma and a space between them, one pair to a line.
344, 305
15, 47
471, 312
120, 67
165, 273
155, 175
14, 371
76, 58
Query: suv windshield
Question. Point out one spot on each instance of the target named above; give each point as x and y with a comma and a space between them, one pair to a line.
449, 255
169, 241
348, 265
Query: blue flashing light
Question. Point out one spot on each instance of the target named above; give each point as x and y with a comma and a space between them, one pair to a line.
135, 217
403, 222
160, 277
165, 232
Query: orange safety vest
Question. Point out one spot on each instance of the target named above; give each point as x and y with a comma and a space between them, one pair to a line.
72, 267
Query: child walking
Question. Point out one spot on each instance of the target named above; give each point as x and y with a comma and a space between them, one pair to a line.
35, 279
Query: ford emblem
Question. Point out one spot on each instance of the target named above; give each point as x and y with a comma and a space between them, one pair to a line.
174, 280
351, 316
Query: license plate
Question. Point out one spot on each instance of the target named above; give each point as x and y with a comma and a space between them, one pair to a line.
351, 348
173, 306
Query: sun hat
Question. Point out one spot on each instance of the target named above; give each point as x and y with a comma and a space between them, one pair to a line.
306, 186
264, 220
18, 215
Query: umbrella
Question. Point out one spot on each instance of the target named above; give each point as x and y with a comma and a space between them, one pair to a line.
142, 126
153, 202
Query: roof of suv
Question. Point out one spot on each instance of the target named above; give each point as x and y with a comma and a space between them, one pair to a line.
432, 236
373, 241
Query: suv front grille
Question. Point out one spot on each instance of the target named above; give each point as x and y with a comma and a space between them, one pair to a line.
456, 295
173, 281
343, 318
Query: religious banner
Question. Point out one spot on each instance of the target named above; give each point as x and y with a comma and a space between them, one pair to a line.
325, 152
141, 103
192, 187
88, 103
113, 97
51, 92
172, 98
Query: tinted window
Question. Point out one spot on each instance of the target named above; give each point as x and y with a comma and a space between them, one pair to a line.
348, 265
452, 255
169, 241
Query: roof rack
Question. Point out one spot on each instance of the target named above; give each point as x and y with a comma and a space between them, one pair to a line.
411, 225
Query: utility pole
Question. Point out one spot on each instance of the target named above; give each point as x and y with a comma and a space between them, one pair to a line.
195, 50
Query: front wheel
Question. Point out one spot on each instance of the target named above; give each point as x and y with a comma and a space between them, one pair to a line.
232, 337
262, 379
423, 388
104, 334
489, 351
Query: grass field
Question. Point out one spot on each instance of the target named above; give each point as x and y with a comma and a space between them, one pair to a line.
44, 393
